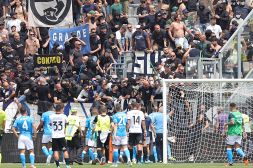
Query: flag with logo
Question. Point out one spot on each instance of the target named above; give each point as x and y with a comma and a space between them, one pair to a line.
50, 13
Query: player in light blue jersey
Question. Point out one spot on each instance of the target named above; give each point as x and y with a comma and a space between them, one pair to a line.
90, 136
47, 135
24, 124
157, 120
120, 135
152, 137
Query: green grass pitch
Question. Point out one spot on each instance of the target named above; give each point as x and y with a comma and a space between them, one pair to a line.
159, 165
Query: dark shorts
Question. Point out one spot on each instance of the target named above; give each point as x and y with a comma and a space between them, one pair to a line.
59, 144
135, 139
101, 144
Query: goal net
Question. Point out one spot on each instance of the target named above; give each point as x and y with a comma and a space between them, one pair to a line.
198, 110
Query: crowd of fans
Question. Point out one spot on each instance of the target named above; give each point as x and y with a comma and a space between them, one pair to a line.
180, 28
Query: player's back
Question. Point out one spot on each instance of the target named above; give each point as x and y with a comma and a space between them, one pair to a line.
25, 125
58, 122
236, 128
89, 126
136, 117
158, 122
120, 119
46, 122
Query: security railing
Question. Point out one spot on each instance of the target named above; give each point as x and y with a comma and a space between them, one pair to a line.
234, 55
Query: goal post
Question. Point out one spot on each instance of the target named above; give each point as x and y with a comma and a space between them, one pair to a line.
198, 108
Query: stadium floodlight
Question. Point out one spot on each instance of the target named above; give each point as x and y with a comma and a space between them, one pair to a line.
196, 104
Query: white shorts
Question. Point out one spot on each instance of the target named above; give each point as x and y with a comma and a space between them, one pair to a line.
90, 143
46, 139
120, 141
25, 142
233, 139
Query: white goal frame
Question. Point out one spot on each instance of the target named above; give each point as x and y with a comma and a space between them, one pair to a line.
165, 91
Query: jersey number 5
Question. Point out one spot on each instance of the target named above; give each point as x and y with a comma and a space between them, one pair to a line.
57, 125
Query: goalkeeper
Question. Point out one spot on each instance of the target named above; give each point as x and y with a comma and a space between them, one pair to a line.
235, 130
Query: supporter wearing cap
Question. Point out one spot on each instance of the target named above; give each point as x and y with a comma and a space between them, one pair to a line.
14, 21
160, 20
140, 40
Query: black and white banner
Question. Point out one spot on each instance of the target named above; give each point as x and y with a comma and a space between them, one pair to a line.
145, 63
50, 13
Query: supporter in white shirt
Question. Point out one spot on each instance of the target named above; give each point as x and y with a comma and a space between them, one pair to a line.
129, 33
216, 29
13, 22
120, 37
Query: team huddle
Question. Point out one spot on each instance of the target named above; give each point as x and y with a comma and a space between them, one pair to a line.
134, 135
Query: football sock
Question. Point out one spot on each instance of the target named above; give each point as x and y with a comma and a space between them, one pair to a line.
169, 151
57, 163
145, 152
139, 156
147, 157
121, 153
134, 152
95, 155
155, 153
45, 151
32, 158
115, 155
240, 152
131, 153
91, 154
83, 154
67, 161
127, 153
50, 151
22, 158
230, 155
